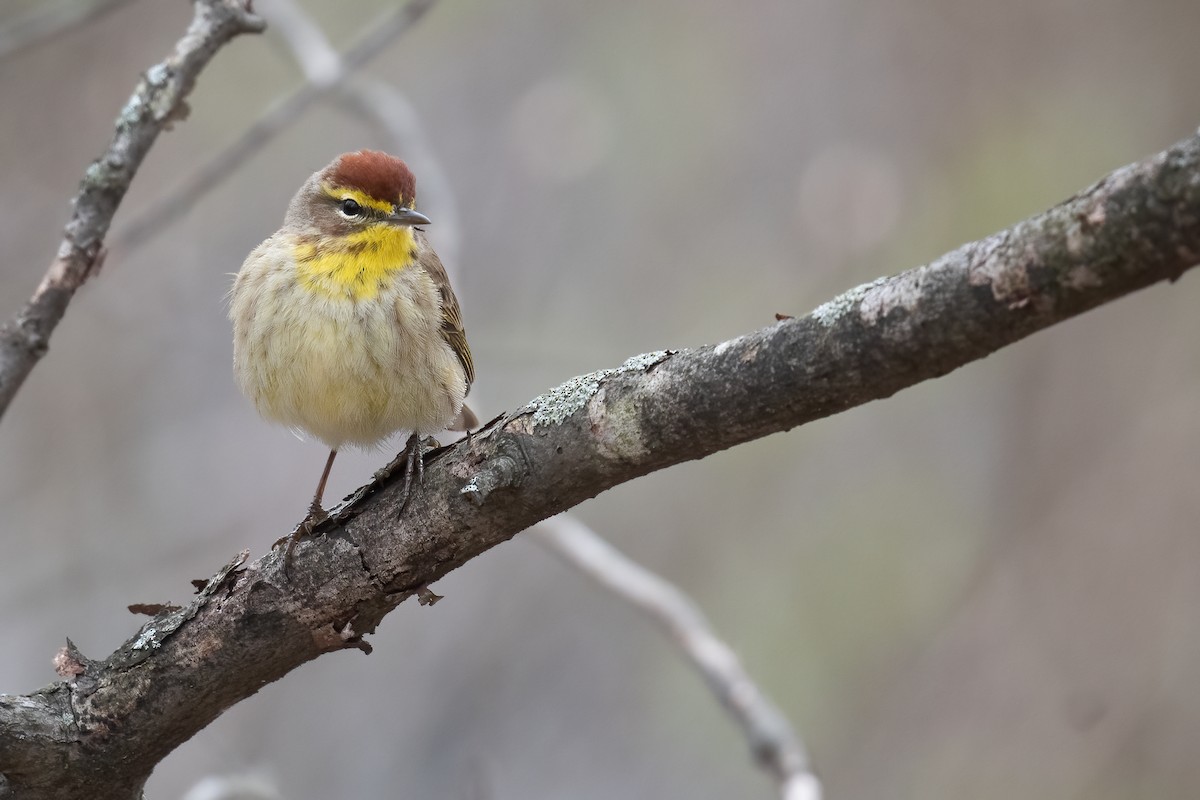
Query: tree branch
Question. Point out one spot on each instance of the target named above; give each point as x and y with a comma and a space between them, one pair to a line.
772, 741
157, 101
99, 734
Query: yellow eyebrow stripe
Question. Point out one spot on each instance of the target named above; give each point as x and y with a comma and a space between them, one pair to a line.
363, 199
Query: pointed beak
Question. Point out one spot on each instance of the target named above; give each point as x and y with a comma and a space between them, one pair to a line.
408, 217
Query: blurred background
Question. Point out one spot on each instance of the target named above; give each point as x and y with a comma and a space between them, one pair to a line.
978, 588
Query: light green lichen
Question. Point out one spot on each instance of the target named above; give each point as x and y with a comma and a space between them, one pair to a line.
829, 313
131, 112
157, 75
101, 174
562, 401
147, 639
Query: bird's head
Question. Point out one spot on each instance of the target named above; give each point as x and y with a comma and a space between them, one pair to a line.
356, 193
351, 226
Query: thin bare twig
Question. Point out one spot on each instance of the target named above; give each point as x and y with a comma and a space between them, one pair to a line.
380, 104
157, 101
772, 741
276, 118
45, 23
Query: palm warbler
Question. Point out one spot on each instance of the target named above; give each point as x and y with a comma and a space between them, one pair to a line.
344, 323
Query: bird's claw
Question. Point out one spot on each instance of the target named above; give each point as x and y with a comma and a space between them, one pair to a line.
316, 515
414, 464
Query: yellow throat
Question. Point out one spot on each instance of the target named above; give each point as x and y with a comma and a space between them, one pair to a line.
357, 266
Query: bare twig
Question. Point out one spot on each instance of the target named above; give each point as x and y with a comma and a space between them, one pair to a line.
307, 44
157, 101
276, 119
382, 105
45, 23
772, 741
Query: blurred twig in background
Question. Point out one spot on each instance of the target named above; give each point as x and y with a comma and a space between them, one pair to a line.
38, 27
325, 71
772, 741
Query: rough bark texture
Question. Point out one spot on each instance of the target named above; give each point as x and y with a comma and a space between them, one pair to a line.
99, 733
158, 100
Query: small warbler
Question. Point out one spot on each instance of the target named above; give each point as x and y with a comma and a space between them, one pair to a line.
344, 323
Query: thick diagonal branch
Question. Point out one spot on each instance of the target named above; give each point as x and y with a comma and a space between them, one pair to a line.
158, 100
252, 625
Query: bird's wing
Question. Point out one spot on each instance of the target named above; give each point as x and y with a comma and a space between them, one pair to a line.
452, 327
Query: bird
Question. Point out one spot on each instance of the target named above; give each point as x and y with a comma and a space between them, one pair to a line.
345, 326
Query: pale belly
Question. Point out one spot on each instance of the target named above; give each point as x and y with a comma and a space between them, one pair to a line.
348, 373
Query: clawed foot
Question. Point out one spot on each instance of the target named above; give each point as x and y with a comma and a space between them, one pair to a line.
316, 515
411, 459
414, 467
401, 460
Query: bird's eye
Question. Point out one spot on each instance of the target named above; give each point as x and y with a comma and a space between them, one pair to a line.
350, 207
